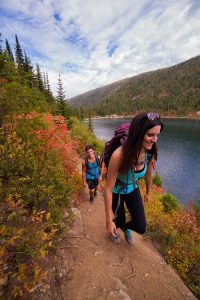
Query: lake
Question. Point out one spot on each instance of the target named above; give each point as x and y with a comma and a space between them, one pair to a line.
178, 158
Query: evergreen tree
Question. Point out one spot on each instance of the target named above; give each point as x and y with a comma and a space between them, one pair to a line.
44, 81
9, 51
81, 114
19, 56
27, 64
63, 106
1, 49
48, 88
39, 81
90, 125
28, 69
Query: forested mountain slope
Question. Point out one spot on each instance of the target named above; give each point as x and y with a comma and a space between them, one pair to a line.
172, 90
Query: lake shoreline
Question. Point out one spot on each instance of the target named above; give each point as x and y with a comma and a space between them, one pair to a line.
192, 117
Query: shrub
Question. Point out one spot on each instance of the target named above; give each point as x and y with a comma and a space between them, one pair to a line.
176, 235
38, 179
82, 135
157, 180
169, 202
197, 211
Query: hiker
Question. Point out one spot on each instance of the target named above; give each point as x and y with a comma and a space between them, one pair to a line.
132, 160
91, 171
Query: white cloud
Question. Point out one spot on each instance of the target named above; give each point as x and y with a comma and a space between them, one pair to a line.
98, 42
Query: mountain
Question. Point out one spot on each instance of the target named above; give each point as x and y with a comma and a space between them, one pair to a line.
174, 90
90, 98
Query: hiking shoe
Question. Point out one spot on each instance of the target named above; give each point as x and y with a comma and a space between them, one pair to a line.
128, 236
115, 239
91, 201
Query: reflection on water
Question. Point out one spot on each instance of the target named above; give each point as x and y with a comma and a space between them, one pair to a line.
179, 154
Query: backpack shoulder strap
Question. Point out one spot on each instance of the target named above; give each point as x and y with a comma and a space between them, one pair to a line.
86, 162
98, 159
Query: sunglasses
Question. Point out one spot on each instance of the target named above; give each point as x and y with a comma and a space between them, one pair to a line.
153, 116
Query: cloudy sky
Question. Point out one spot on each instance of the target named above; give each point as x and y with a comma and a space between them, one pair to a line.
92, 43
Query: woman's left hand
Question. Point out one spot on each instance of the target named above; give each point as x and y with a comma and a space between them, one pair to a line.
146, 197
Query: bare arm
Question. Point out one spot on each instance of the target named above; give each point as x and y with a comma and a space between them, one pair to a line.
148, 179
112, 173
101, 170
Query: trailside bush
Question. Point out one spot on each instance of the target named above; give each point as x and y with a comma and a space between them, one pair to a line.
169, 202
157, 180
197, 211
177, 236
37, 170
82, 135
37, 177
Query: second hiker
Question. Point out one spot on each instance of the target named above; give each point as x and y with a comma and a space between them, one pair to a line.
91, 171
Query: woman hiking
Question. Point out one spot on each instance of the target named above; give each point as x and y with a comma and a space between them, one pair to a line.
128, 163
91, 171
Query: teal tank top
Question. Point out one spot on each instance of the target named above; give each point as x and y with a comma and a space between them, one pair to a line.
127, 183
92, 170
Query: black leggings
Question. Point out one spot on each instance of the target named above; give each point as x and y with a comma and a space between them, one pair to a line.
135, 207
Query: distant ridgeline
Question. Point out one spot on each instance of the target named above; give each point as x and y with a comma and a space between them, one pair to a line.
174, 90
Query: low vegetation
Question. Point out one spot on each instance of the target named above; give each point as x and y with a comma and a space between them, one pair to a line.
81, 133
176, 232
38, 181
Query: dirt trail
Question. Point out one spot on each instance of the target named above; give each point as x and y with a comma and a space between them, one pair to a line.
90, 266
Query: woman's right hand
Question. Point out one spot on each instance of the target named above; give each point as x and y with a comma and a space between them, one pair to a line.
111, 228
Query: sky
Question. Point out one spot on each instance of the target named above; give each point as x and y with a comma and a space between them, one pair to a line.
92, 43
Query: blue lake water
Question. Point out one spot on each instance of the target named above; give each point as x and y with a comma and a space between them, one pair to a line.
178, 158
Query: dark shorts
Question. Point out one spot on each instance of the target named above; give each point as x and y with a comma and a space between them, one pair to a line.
92, 183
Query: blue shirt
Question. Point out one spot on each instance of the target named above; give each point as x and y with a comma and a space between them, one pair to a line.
92, 170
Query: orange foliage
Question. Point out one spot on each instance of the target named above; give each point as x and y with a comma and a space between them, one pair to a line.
57, 137
158, 189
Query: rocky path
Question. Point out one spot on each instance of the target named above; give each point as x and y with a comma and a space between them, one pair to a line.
103, 270
90, 266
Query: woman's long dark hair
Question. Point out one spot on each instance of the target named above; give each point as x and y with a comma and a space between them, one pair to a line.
131, 149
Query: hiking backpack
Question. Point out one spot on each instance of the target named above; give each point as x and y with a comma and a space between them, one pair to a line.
118, 139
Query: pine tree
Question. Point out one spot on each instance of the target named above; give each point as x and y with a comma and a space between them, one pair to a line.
81, 114
47, 87
9, 51
39, 81
19, 56
28, 69
1, 49
90, 125
44, 80
27, 64
63, 106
